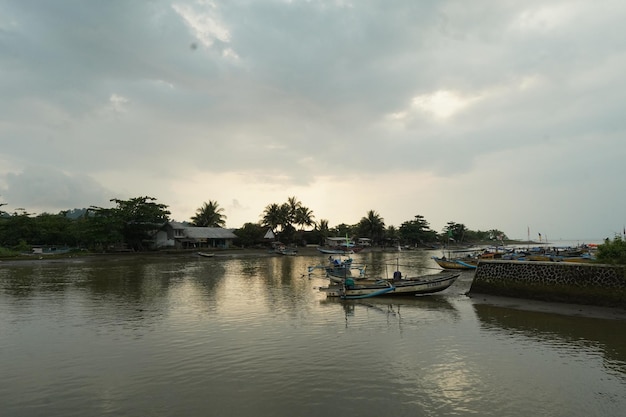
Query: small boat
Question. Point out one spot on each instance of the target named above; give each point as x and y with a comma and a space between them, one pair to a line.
338, 268
288, 251
335, 250
398, 286
206, 254
463, 263
282, 249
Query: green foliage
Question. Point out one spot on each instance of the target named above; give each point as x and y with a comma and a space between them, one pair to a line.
342, 230
209, 215
612, 252
8, 253
455, 232
250, 234
132, 222
372, 226
281, 218
416, 231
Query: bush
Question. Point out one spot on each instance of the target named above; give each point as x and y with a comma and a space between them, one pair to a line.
7, 253
612, 252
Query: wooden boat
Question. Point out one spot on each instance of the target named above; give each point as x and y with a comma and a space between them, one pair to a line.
336, 269
398, 286
288, 251
335, 251
584, 258
456, 263
206, 254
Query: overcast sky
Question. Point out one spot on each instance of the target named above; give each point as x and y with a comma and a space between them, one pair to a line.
494, 114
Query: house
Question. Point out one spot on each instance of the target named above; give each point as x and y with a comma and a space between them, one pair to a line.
339, 241
364, 241
185, 236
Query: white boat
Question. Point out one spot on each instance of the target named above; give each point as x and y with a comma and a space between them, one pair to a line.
398, 286
335, 251
206, 254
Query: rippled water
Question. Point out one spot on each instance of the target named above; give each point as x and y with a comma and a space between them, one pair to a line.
237, 336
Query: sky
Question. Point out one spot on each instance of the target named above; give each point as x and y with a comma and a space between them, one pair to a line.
494, 114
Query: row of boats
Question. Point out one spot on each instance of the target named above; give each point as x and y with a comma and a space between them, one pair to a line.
468, 259
345, 285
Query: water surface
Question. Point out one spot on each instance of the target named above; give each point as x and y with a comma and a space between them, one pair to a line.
243, 336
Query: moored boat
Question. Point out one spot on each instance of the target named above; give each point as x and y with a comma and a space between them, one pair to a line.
456, 263
398, 286
335, 250
338, 268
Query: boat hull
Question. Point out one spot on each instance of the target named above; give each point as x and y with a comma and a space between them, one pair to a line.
334, 251
457, 264
404, 287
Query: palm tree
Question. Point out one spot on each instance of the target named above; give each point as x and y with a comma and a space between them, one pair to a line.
209, 215
293, 204
304, 217
323, 229
373, 226
276, 216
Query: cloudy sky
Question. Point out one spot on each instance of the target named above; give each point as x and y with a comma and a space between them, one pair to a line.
494, 114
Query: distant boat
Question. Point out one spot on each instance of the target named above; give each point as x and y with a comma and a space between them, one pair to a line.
288, 251
206, 254
336, 250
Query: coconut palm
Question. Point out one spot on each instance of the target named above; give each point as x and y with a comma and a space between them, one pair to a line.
276, 217
304, 217
372, 226
323, 230
209, 215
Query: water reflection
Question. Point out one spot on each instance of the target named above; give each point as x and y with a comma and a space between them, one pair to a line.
566, 333
253, 336
409, 311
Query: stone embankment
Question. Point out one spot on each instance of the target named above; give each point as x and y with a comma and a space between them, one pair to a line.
593, 284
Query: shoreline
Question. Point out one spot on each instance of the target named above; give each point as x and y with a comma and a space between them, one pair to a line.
538, 306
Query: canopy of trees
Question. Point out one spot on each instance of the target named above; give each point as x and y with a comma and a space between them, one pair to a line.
132, 223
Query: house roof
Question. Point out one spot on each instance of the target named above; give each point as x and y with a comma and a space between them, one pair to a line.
177, 225
193, 232
209, 233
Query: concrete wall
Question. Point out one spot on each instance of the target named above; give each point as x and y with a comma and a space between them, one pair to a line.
595, 284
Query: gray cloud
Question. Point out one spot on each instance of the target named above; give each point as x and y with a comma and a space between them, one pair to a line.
286, 93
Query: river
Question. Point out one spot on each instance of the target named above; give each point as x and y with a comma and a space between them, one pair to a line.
253, 336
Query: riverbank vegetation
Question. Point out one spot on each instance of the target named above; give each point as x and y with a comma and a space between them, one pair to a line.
612, 251
131, 224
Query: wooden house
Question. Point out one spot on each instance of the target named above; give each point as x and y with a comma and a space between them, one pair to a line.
177, 235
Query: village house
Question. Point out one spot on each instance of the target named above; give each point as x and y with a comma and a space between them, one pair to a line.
177, 235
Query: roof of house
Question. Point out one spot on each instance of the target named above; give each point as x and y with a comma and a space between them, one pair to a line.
194, 232
209, 233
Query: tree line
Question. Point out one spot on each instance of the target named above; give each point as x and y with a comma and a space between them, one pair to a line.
131, 224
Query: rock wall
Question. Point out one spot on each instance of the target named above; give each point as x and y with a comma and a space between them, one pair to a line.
595, 284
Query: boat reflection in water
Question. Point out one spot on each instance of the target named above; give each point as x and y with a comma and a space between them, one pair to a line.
413, 309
